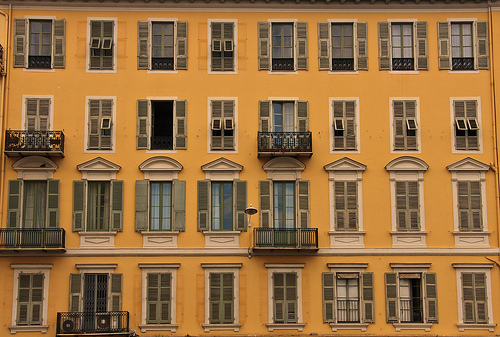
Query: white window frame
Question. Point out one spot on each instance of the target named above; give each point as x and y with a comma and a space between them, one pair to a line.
113, 124
150, 44
209, 122
354, 48
209, 47
474, 268
174, 121
30, 269
473, 21
24, 125
452, 119
87, 51
417, 118
415, 50
356, 120
27, 45
284, 268
295, 46
233, 268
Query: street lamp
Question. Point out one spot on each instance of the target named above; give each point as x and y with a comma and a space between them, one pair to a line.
250, 210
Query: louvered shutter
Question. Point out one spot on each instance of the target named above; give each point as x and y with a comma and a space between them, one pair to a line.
264, 116
221, 298
141, 205
52, 204
481, 299
30, 299
431, 298
20, 28
303, 116
444, 45
117, 205
460, 137
264, 45
59, 44
143, 124
75, 292
475, 215
367, 298
407, 205
182, 45
324, 58
468, 298
362, 40
328, 297
240, 204
142, 45
303, 203
106, 112
115, 292
216, 140
79, 202
37, 114
285, 297
265, 203
391, 297
179, 205
463, 205
340, 205
181, 125
228, 34
14, 204
384, 45
410, 113
422, 49
482, 51
472, 135
158, 299
228, 118
43, 114
203, 205
94, 132
302, 53
399, 125
216, 44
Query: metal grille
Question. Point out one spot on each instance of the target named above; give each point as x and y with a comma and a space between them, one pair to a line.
162, 63
403, 64
285, 141
286, 238
282, 64
43, 62
73, 323
15, 238
162, 143
462, 63
348, 311
411, 311
21, 140
343, 64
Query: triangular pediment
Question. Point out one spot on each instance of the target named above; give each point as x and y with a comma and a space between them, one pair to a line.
160, 163
345, 164
222, 164
98, 164
407, 163
35, 163
284, 164
468, 164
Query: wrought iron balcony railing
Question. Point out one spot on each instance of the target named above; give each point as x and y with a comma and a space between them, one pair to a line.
162, 143
299, 143
32, 238
462, 63
411, 310
277, 238
342, 64
348, 311
19, 142
74, 323
403, 63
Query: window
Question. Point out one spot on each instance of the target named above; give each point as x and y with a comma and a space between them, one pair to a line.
407, 205
345, 124
466, 124
342, 46
405, 132
283, 46
403, 46
346, 205
162, 45
222, 125
102, 44
38, 114
463, 45
45, 40
222, 46
100, 132
161, 125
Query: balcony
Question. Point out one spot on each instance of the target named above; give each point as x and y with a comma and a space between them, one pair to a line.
301, 239
32, 238
115, 323
284, 144
38, 143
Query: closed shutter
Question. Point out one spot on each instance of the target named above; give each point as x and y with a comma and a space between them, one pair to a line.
179, 205
481, 299
117, 205
14, 204
422, 49
431, 298
142, 45
399, 125
217, 125
328, 297
344, 112
407, 205
482, 51
141, 205
221, 298
216, 44
75, 292
53, 204
143, 124
285, 297
30, 299
367, 298
20, 28
324, 57
444, 45
98, 138
182, 45
303, 116
181, 127
265, 189
264, 46
59, 44
203, 205
37, 114
346, 205
159, 306
475, 215
391, 297
469, 205
384, 46
303, 203
79, 202
469, 307
228, 125
362, 40
472, 135
115, 292
240, 204
302, 59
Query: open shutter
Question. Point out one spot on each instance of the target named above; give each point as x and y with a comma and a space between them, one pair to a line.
324, 48
303, 116
79, 205
20, 27
142, 45
181, 127
399, 124
241, 204
59, 44
117, 205
422, 49
142, 124
115, 292
367, 298
303, 203
179, 205
431, 298
481, 298
94, 133
141, 205
391, 297
264, 116
264, 46
384, 46
328, 297
444, 45
14, 204
302, 60
75, 292
182, 45
265, 188
482, 52
53, 204
203, 205
362, 40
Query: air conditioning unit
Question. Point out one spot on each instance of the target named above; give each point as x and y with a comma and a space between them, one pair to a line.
69, 325
103, 320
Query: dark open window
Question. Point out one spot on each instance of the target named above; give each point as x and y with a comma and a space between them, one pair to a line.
162, 117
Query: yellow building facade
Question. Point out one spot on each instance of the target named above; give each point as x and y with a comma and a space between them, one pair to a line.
140, 139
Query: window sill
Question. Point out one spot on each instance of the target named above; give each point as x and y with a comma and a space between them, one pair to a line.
463, 71
347, 239
471, 239
349, 326
285, 326
222, 239
158, 327
404, 72
413, 326
28, 328
159, 239
410, 239
100, 240
463, 327
212, 327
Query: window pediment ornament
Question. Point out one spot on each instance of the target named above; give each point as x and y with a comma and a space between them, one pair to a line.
468, 164
345, 164
98, 169
222, 169
34, 168
160, 168
284, 168
407, 163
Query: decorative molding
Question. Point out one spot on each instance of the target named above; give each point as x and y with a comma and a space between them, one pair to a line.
344, 164
34, 168
98, 169
468, 164
407, 163
410, 239
158, 327
284, 168
160, 168
348, 326
214, 327
222, 239
413, 326
285, 326
471, 239
157, 239
97, 240
222, 169
347, 239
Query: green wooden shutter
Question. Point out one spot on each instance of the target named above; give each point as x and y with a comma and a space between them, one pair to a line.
37, 114
362, 50
75, 292
241, 205
463, 205
159, 290
481, 299
264, 46
59, 44
52, 204
422, 49
182, 45
115, 291
384, 46
216, 141
20, 28
350, 125
482, 52
407, 205
143, 124
324, 58
141, 205
303, 203
216, 44
79, 193
203, 205
285, 297
367, 298
431, 298
228, 114
181, 125
14, 204
221, 298
444, 45
302, 54
264, 116
328, 297
399, 125
391, 297
475, 215
117, 205
265, 203
303, 116
30, 299
142, 45
179, 205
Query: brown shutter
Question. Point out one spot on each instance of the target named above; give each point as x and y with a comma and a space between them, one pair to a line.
181, 125
303, 203
141, 205
182, 45
362, 50
59, 44
240, 205
203, 205
179, 205
324, 46
328, 297
142, 45
14, 204
422, 49
444, 45
20, 28
142, 124
367, 298
75, 292
264, 46
384, 45
117, 205
391, 297
115, 292
302, 53
265, 203
482, 50
431, 298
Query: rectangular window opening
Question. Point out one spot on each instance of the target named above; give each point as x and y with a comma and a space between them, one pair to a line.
342, 46
40, 44
162, 46
282, 46
162, 119
402, 46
